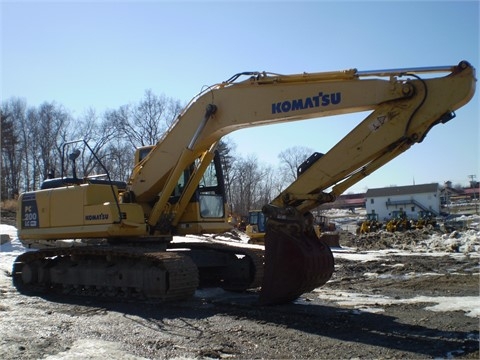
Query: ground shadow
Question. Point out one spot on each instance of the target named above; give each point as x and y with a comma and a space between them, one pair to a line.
348, 325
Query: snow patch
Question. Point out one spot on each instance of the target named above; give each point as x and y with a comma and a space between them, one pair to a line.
94, 349
374, 303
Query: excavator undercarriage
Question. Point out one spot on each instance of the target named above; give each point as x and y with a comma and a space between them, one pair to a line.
130, 271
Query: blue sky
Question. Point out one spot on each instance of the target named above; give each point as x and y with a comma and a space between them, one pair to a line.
105, 54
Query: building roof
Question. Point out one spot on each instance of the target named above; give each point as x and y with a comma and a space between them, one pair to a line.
472, 191
452, 191
346, 201
355, 201
402, 190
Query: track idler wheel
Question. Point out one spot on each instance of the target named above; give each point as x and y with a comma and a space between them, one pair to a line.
296, 260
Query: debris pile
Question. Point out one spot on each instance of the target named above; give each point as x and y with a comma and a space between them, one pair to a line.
415, 240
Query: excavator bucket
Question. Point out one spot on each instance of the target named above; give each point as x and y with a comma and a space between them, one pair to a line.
296, 261
331, 239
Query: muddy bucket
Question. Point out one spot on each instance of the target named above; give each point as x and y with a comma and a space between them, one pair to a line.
295, 263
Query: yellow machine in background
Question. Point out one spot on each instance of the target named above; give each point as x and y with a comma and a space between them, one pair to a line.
176, 187
255, 226
371, 224
399, 221
426, 219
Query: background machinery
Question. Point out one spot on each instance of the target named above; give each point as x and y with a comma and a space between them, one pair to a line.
399, 221
426, 219
325, 230
370, 224
255, 226
176, 188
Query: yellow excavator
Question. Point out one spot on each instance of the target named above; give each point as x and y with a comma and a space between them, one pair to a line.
176, 188
370, 224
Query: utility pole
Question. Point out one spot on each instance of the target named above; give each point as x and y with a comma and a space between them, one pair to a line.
472, 179
474, 185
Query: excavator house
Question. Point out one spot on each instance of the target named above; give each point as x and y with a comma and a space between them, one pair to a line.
128, 232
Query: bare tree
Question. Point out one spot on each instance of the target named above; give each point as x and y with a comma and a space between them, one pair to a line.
225, 148
13, 114
246, 184
175, 107
33, 139
9, 163
290, 160
119, 159
144, 123
253, 185
105, 139
267, 189
50, 124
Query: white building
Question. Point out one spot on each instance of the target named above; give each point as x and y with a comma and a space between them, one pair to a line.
411, 199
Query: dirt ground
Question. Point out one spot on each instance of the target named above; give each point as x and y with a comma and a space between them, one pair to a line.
216, 324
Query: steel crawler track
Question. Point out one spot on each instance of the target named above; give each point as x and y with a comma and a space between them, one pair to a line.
132, 272
232, 267
121, 273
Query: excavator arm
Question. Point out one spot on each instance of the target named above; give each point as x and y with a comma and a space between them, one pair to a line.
404, 108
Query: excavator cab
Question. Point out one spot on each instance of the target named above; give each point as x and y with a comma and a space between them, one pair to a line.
205, 211
255, 228
257, 218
